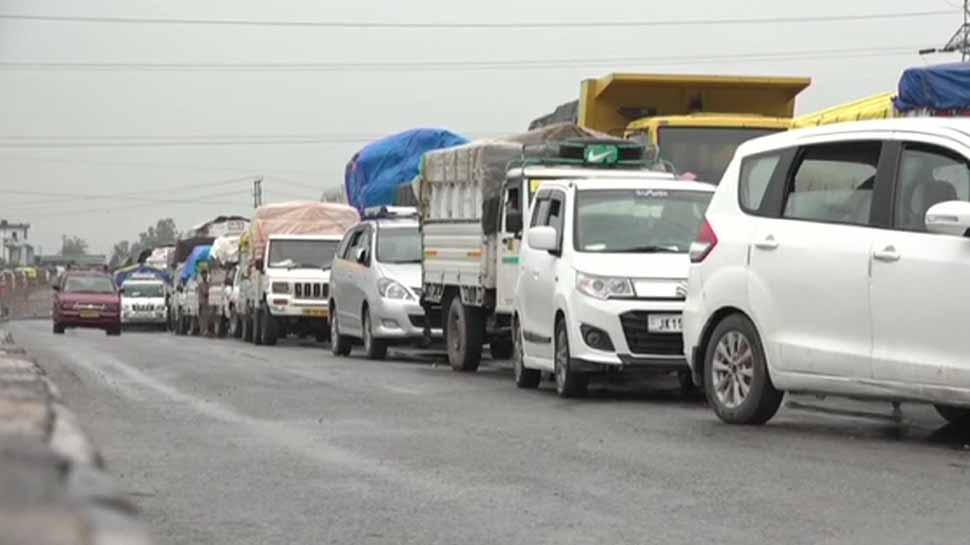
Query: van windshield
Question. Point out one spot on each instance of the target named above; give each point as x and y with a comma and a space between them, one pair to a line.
88, 284
399, 245
638, 220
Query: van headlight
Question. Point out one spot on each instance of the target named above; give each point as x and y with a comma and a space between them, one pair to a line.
604, 287
392, 289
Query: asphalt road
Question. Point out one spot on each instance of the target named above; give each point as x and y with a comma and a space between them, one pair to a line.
224, 442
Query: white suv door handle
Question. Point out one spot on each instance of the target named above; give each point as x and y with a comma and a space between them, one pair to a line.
768, 243
887, 254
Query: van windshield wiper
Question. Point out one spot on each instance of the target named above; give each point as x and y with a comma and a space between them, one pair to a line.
650, 249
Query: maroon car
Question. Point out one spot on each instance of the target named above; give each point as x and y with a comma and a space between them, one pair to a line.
87, 299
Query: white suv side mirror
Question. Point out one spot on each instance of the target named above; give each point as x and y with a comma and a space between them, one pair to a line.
543, 238
949, 218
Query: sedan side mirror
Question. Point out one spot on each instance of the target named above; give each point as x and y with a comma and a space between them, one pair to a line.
543, 238
360, 255
949, 218
55, 287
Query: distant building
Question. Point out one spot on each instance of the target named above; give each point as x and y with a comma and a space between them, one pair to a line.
75, 261
14, 248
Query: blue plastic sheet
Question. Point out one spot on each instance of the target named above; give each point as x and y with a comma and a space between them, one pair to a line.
938, 87
199, 253
375, 173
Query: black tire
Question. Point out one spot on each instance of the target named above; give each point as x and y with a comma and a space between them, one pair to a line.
113, 332
375, 349
269, 329
463, 335
686, 381
194, 326
245, 329
222, 327
58, 328
501, 349
258, 328
340, 345
740, 389
954, 415
569, 383
178, 324
525, 378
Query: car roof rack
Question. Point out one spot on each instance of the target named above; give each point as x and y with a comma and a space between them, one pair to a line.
390, 212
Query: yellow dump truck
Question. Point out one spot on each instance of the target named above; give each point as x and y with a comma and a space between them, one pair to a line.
696, 121
874, 107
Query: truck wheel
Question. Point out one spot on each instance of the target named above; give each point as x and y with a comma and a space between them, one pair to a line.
569, 383
194, 325
954, 415
222, 327
258, 328
501, 349
525, 378
58, 328
464, 336
339, 344
245, 328
269, 329
376, 349
736, 377
182, 324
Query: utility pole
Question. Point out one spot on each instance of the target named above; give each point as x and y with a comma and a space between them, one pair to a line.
258, 192
960, 41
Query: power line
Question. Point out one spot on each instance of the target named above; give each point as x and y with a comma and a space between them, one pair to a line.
475, 25
57, 197
141, 164
455, 66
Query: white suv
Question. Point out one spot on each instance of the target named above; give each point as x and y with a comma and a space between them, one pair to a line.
603, 272
836, 261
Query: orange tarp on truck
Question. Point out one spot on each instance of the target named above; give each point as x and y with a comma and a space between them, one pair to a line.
299, 218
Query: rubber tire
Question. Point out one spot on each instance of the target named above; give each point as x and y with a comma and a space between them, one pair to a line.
258, 328
58, 328
501, 349
374, 349
269, 329
194, 326
525, 378
113, 332
465, 352
222, 327
245, 329
954, 415
569, 384
340, 345
763, 399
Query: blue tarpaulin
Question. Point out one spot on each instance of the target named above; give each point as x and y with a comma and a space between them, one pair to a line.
938, 87
374, 174
199, 253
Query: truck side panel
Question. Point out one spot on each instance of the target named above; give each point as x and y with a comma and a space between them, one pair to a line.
454, 255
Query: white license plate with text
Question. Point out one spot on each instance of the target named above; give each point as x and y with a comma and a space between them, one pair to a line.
664, 323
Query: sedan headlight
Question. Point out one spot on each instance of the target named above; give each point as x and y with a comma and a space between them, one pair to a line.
604, 287
281, 287
392, 290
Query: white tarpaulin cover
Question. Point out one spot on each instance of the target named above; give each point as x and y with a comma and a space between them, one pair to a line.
225, 250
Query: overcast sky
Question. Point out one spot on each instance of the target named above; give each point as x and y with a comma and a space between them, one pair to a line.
45, 106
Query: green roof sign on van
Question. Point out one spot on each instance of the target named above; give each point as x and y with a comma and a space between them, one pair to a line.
602, 154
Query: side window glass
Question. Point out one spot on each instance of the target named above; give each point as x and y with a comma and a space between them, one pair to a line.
756, 174
928, 175
513, 211
833, 183
364, 242
556, 210
351, 244
540, 211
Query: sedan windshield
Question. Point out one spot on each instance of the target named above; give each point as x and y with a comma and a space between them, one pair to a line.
638, 221
302, 254
88, 284
144, 290
399, 245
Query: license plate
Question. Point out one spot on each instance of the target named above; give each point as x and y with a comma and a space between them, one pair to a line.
90, 314
664, 323
316, 312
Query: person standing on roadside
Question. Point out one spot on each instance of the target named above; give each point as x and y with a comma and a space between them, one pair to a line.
202, 291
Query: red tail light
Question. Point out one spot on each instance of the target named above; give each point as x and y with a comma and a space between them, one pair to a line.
704, 245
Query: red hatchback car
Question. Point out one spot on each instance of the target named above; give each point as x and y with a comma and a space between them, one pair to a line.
89, 300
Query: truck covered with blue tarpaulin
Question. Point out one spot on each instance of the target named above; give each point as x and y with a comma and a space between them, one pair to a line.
942, 89
375, 174
141, 270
